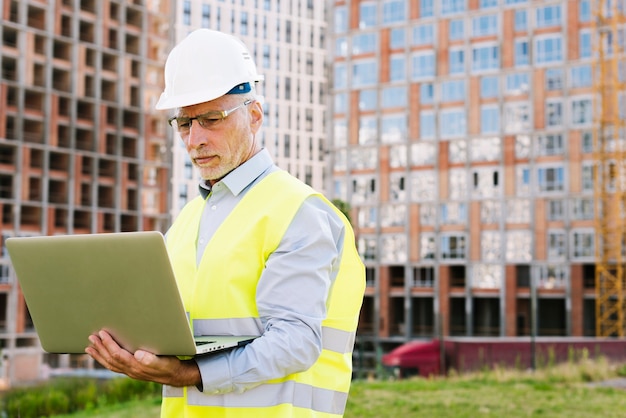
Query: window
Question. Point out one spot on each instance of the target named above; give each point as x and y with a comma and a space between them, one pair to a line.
457, 29
427, 125
397, 187
548, 16
423, 65
582, 111
521, 20
485, 25
522, 180
368, 100
452, 247
485, 149
551, 179
582, 209
341, 103
581, 76
522, 53
187, 12
367, 15
368, 130
427, 246
452, 123
489, 119
554, 79
340, 133
397, 68
485, 57
341, 19
392, 215
394, 11
457, 178
587, 177
552, 276
423, 35
457, 60
485, 4
364, 73
485, 182
517, 211
548, 49
554, 114
364, 43
547, 145
423, 153
453, 91
452, 6
587, 142
516, 117
427, 93
397, 38
556, 245
453, 213
556, 210
517, 83
489, 87
518, 246
584, 10
486, 276
491, 246
426, 8
393, 128
423, 186
584, 244
206, 15
367, 248
340, 80
585, 46
364, 189
394, 97
341, 49
367, 217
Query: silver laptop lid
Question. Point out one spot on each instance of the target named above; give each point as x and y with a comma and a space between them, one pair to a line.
75, 285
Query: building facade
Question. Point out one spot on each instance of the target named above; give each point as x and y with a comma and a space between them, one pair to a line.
81, 148
288, 42
462, 138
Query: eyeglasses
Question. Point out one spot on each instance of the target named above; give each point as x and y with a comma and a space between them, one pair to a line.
207, 120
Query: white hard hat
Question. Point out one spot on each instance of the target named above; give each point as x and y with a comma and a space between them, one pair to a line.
207, 64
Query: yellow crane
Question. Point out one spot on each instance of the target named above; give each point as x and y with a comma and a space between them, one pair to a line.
610, 166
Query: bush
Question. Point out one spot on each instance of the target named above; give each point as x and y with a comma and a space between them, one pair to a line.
69, 395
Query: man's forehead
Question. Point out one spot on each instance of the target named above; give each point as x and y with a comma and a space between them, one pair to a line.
217, 105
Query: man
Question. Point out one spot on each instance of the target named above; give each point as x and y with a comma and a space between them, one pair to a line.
257, 253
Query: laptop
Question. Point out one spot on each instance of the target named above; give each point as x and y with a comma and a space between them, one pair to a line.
76, 285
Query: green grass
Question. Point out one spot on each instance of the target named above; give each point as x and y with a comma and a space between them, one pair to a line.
557, 391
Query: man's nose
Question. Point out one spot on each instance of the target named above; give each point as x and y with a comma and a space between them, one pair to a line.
197, 135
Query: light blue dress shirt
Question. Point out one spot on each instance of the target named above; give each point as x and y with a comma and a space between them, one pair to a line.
292, 291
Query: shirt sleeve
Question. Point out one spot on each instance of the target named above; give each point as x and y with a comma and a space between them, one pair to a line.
291, 300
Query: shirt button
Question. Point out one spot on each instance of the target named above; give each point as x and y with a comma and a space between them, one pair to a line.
201, 240
213, 207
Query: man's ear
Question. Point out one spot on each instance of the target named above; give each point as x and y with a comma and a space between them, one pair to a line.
256, 116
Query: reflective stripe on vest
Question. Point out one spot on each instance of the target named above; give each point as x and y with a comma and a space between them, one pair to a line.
332, 339
299, 394
237, 255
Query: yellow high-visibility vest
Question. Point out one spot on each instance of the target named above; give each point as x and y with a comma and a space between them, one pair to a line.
223, 287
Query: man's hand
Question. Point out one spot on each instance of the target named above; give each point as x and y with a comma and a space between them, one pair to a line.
142, 365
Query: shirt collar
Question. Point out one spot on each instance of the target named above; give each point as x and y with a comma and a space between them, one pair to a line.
241, 177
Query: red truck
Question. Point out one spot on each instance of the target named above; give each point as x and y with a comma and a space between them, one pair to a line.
424, 358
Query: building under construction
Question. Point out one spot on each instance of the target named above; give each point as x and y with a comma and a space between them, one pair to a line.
464, 138
81, 148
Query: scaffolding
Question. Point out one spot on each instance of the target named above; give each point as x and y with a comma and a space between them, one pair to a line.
610, 166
